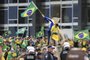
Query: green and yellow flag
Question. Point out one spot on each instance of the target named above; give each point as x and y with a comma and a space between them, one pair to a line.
40, 33
21, 30
30, 10
84, 34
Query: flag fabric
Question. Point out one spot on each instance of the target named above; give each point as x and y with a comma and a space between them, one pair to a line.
40, 33
30, 10
1, 40
21, 31
9, 56
6, 33
84, 34
5, 47
24, 43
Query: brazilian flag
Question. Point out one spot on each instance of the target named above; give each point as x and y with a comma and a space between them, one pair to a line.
9, 56
5, 48
24, 43
40, 33
83, 34
30, 10
1, 41
21, 30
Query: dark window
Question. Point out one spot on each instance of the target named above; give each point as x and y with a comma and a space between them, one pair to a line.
55, 10
13, 21
13, 31
66, 0
12, 1
75, 10
41, 0
1, 8
76, 20
23, 1
46, 12
3, 1
12, 12
88, 14
3, 16
55, 0
67, 15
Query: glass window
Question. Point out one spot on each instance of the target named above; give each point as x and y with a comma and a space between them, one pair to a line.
67, 15
66, 0
75, 10
55, 10
23, 1
46, 12
75, 20
22, 6
3, 8
88, 14
55, 0
13, 21
1, 1
3, 16
41, 0
12, 12
13, 31
5, 1
12, 1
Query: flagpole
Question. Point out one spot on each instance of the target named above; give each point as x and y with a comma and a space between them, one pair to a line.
41, 12
17, 17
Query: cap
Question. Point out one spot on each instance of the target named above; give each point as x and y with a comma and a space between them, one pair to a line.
51, 47
84, 49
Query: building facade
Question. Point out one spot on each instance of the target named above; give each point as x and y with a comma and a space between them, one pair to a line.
73, 14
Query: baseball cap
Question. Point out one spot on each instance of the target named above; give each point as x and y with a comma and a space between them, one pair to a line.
84, 49
51, 47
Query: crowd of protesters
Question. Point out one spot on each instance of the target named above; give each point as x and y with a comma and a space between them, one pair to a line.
29, 48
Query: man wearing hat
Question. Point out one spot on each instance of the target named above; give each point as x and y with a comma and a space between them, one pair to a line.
49, 55
56, 34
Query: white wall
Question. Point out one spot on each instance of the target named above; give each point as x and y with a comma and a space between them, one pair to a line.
68, 33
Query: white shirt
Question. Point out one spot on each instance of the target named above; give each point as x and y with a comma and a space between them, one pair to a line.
66, 44
30, 48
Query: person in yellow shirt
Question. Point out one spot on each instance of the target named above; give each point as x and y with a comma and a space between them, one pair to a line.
56, 34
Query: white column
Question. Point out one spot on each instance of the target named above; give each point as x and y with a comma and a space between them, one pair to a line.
72, 21
17, 15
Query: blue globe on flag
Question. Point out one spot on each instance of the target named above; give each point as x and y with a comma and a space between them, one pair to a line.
81, 35
29, 12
